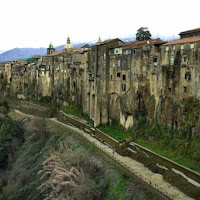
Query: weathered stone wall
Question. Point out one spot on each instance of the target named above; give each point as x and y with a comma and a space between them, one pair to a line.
112, 80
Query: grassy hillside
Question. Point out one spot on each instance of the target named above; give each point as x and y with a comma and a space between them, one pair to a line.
52, 162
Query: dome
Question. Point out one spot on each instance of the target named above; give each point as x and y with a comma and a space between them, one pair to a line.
68, 45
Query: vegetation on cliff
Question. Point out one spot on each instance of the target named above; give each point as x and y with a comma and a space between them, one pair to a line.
175, 145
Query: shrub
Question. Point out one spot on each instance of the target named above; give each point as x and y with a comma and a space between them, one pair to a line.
46, 99
5, 104
66, 176
9, 131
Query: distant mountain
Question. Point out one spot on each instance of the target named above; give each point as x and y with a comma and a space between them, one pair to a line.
21, 53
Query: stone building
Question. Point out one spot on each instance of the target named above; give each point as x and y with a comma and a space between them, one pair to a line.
190, 33
113, 79
50, 50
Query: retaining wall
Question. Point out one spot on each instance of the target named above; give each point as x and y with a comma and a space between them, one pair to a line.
33, 109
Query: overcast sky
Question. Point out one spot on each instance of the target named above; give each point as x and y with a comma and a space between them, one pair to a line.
36, 23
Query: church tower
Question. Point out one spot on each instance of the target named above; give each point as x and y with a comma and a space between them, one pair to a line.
99, 41
50, 50
68, 46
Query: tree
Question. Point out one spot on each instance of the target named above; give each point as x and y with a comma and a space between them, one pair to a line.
143, 34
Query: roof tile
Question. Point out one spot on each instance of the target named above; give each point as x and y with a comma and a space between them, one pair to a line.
189, 31
183, 40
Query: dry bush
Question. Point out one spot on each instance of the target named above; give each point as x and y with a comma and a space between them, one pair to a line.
35, 129
23, 177
3, 110
15, 146
65, 179
35, 124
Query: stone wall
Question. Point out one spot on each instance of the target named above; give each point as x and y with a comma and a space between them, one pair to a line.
115, 80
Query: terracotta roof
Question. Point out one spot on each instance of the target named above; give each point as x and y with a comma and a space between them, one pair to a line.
55, 53
37, 56
110, 40
86, 46
139, 44
121, 45
183, 40
189, 31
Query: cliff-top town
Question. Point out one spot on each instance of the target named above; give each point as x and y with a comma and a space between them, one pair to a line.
113, 79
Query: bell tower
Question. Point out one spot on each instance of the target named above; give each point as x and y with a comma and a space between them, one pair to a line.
68, 46
50, 50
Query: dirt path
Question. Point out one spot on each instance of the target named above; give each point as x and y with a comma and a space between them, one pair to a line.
154, 179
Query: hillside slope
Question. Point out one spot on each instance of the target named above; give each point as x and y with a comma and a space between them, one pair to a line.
76, 168
21, 53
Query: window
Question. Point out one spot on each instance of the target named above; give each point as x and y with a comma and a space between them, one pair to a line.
118, 74
134, 51
116, 51
184, 89
188, 76
119, 63
182, 46
113, 64
124, 77
170, 75
184, 59
110, 77
191, 46
173, 48
123, 87
146, 74
167, 48
172, 60
155, 59
112, 51
169, 90
123, 63
104, 56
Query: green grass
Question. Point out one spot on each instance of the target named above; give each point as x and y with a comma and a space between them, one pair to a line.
40, 103
169, 154
117, 190
77, 111
72, 110
167, 143
115, 131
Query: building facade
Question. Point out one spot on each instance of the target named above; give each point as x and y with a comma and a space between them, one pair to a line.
113, 80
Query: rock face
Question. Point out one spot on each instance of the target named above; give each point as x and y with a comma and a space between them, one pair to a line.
116, 80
